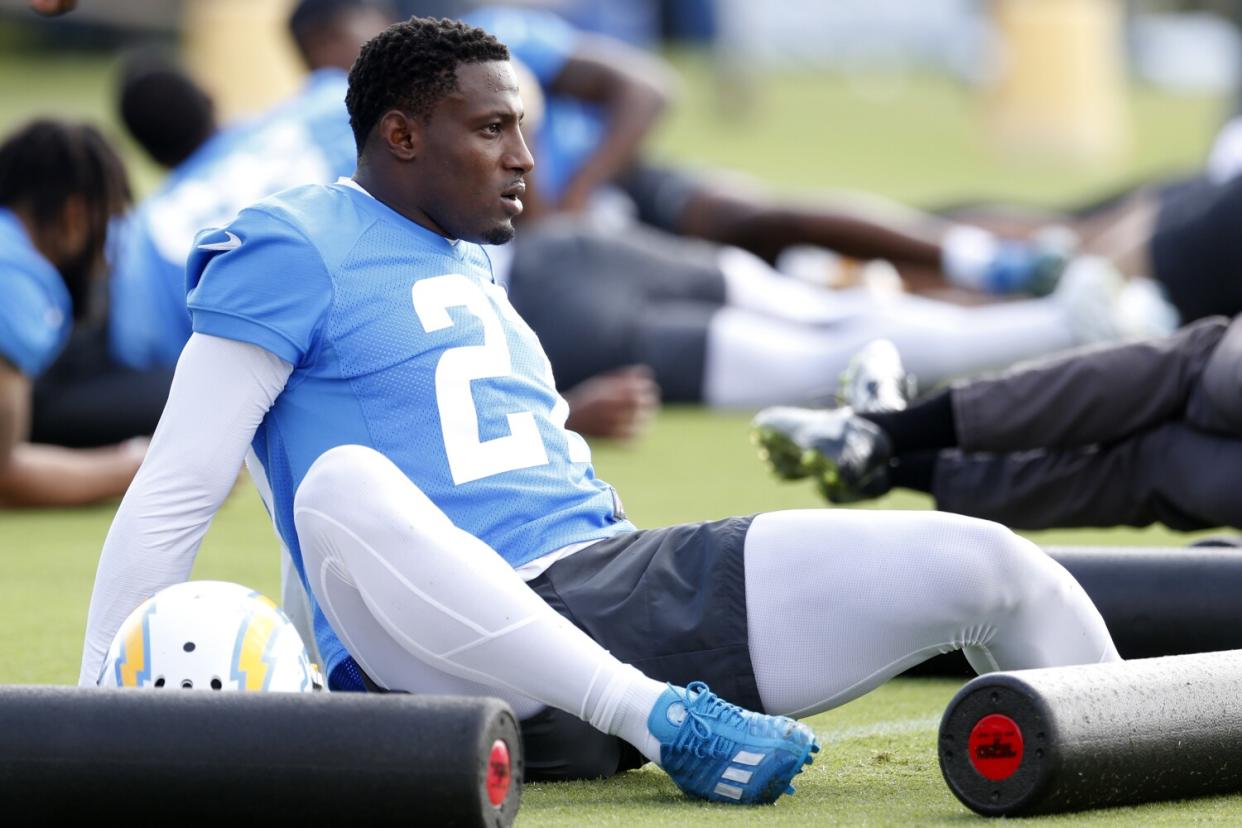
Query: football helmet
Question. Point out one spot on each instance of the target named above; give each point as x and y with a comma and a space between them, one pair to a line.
209, 635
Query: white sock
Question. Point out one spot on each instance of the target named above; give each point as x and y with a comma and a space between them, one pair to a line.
623, 707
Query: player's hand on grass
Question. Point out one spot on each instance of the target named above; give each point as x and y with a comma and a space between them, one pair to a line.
617, 405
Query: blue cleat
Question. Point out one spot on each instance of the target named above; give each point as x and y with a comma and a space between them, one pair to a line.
718, 751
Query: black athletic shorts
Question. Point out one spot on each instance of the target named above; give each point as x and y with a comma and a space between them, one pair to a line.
600, 299
671, 602
87, 399
1196, 249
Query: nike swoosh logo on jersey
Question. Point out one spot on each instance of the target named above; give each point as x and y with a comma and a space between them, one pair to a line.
232, 243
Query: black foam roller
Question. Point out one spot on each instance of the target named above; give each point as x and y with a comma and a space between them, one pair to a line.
260, 758
1155, 601
1160, 602
1071, 738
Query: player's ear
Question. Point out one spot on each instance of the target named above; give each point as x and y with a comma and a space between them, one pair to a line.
401, 133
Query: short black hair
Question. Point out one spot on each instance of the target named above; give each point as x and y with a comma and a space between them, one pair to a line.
312, 17
413, 66
163, 108
43, 165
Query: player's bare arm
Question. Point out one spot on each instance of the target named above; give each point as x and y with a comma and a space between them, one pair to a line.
51, 476
14, 410
52, 8
633, 88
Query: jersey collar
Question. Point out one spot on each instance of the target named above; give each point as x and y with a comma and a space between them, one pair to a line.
454, 247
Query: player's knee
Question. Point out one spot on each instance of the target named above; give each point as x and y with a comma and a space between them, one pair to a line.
361, 489
337, 502
997, 571
1030, 581
341, 475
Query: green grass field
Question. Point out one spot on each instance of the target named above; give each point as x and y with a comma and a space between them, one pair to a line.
879, 765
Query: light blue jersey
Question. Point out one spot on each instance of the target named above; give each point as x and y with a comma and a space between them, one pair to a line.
400, 342
571, 129
35, 310
306, 140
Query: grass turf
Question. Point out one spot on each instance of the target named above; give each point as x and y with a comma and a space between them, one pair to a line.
916, 142
879, 762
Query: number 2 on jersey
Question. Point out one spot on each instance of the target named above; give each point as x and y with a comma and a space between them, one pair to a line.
469, 457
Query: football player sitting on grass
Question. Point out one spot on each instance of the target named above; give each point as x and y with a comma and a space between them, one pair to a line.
452, 533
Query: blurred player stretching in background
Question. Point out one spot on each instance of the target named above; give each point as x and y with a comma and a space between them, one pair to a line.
60, 185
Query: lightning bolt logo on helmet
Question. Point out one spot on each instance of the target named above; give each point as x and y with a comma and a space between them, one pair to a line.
209, 635
252, 655
132, 668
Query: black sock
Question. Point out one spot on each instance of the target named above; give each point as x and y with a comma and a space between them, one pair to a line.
925, 426
914, 471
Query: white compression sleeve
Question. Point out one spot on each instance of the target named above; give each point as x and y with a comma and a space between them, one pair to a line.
219, 395
418, 601
840, 601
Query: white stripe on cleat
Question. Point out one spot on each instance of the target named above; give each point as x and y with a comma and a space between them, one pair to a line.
745, 757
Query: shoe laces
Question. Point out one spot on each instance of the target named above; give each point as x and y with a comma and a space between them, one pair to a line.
703, 708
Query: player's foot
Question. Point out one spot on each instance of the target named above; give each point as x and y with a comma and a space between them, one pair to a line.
719, 751
875, 380
847, 455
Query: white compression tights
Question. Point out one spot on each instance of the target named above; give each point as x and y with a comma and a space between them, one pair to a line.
839, 601
780, 341
396, 579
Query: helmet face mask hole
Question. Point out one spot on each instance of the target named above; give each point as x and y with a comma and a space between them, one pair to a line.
186, 684
188, 646
159, 682
216, 684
